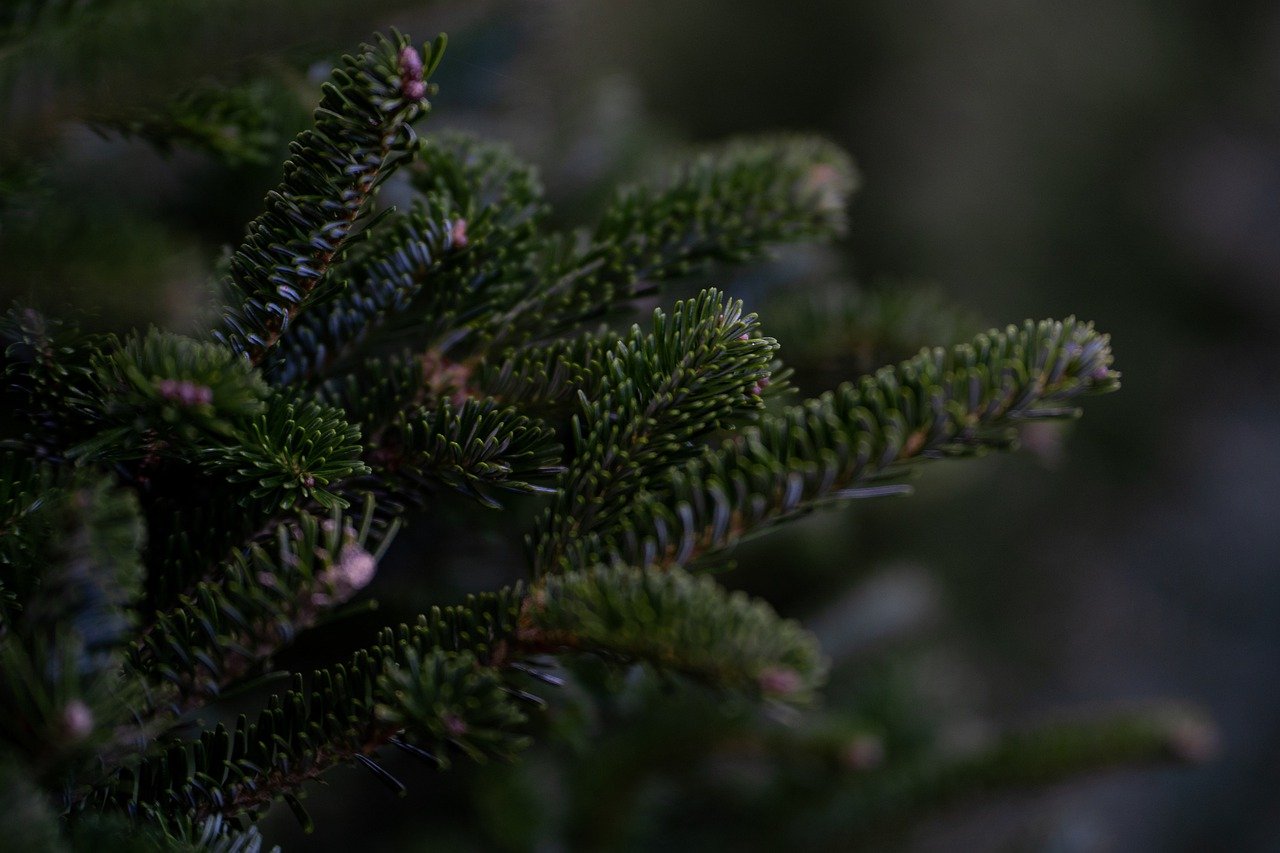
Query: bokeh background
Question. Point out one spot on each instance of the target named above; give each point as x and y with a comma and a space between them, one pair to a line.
1114, 159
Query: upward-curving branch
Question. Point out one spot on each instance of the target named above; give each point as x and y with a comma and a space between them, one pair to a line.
361, 133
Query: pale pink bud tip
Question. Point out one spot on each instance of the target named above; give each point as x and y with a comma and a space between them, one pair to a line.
454, 725
353, 571
411, 74
185, 391
458, 233
356, 566
77, 720
410, 61
779, 681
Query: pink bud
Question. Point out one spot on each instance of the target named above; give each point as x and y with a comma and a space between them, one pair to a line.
357, 566
779, 681
454, 725
77, 720
410, 61
185, 391
353, 571
458, 233
411, 74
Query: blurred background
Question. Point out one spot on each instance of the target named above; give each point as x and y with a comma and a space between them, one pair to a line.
1114, 159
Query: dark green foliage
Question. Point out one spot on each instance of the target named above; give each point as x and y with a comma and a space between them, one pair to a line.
450, 701
261, 599
291, 452
46, 367
860, 440
659, 393
72, 581
176, 511
475, 448
436, 679
677, 622
1013, 761
161, 394
361, 132
728, 205
470, 236
232, 123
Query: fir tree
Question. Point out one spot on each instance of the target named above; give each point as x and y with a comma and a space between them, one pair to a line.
175, 510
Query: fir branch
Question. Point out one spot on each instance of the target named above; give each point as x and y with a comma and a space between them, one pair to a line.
441, 686
47, 373
262, 598
343, 715
361, 134
237, 124
859, 440
661, 392
25, 487
382, 279
550, 378
475, 448
290, 453
162, 396
427, 274
676, 622
725, 206
61, 650
1021, 760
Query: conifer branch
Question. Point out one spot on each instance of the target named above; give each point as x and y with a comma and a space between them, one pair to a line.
262, 598
1021, 760
289, 455
61, 646
859, 441
393, 358
725, 206
361, 134
475, 448
443, 686
678, 623
553, 377
342, 715
46, 373
161, 396
425, 274
660, 392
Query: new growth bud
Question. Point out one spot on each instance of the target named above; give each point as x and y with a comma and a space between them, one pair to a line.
458, 233
779, 681
411, 82
77, 720
185, 392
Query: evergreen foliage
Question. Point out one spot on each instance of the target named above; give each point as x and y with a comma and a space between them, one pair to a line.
175, 510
